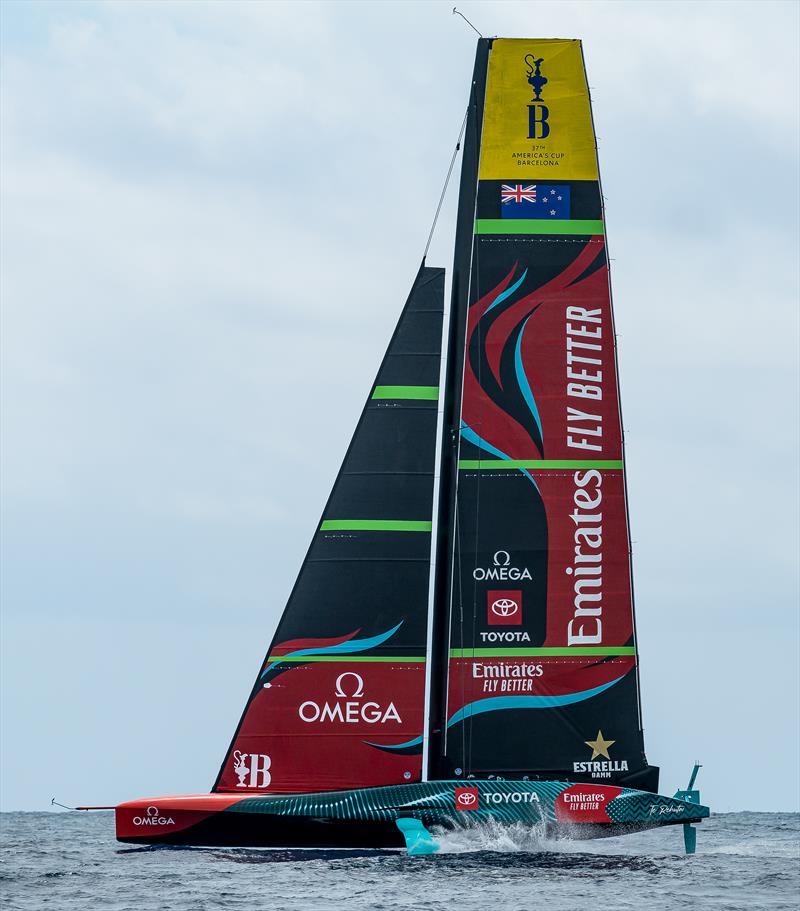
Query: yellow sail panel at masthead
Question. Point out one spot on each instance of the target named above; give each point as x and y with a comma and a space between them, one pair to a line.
537, 123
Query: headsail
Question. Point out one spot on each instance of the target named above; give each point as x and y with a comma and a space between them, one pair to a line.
535, 561
338, 701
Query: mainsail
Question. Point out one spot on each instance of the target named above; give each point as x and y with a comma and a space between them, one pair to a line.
527, 666
540, 676
345, 673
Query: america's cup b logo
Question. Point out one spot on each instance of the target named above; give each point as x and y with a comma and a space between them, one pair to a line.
538, 127
534, 72
252, 769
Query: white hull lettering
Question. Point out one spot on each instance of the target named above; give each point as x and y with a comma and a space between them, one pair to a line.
583, 798
519, 797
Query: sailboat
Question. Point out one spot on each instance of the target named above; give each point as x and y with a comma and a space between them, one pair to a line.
460, 644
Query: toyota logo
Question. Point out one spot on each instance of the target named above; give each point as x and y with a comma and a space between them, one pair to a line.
504, 607
467, 799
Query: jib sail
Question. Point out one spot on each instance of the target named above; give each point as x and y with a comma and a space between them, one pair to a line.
339, 699
540, 675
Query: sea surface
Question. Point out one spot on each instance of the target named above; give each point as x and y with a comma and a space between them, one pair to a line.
71, 861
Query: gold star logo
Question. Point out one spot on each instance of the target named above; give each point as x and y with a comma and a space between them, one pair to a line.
599, 746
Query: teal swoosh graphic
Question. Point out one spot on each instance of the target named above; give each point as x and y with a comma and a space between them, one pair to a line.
469, 434
524, 385
507, 293
343, 648
497, 703
396, 746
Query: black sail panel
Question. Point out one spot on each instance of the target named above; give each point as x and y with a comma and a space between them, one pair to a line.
339, 699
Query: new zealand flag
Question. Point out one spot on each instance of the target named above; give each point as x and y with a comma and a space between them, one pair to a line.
543, 200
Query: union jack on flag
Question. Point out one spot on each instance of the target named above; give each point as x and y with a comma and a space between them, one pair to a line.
518, 193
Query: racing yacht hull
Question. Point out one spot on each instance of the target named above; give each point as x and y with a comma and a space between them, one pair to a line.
367, 817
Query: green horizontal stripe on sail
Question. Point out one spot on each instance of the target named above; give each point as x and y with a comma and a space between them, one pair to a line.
538, 226
374, 525
578, 650
423, 393
385, 658
467, 464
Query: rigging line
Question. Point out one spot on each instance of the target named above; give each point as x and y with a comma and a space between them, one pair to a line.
473, 634
472, 275
457, 12
446, 182
475, 277
462, 679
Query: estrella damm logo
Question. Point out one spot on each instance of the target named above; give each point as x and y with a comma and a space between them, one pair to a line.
538, 127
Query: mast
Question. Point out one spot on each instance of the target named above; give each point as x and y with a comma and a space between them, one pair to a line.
459, 300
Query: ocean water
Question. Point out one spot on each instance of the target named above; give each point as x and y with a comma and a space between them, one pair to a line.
67, 861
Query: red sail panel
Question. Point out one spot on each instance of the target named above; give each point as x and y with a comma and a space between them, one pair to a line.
328, 726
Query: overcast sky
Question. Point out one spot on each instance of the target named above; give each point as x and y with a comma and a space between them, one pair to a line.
211, 216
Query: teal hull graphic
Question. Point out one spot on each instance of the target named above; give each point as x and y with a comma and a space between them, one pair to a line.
367, 817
